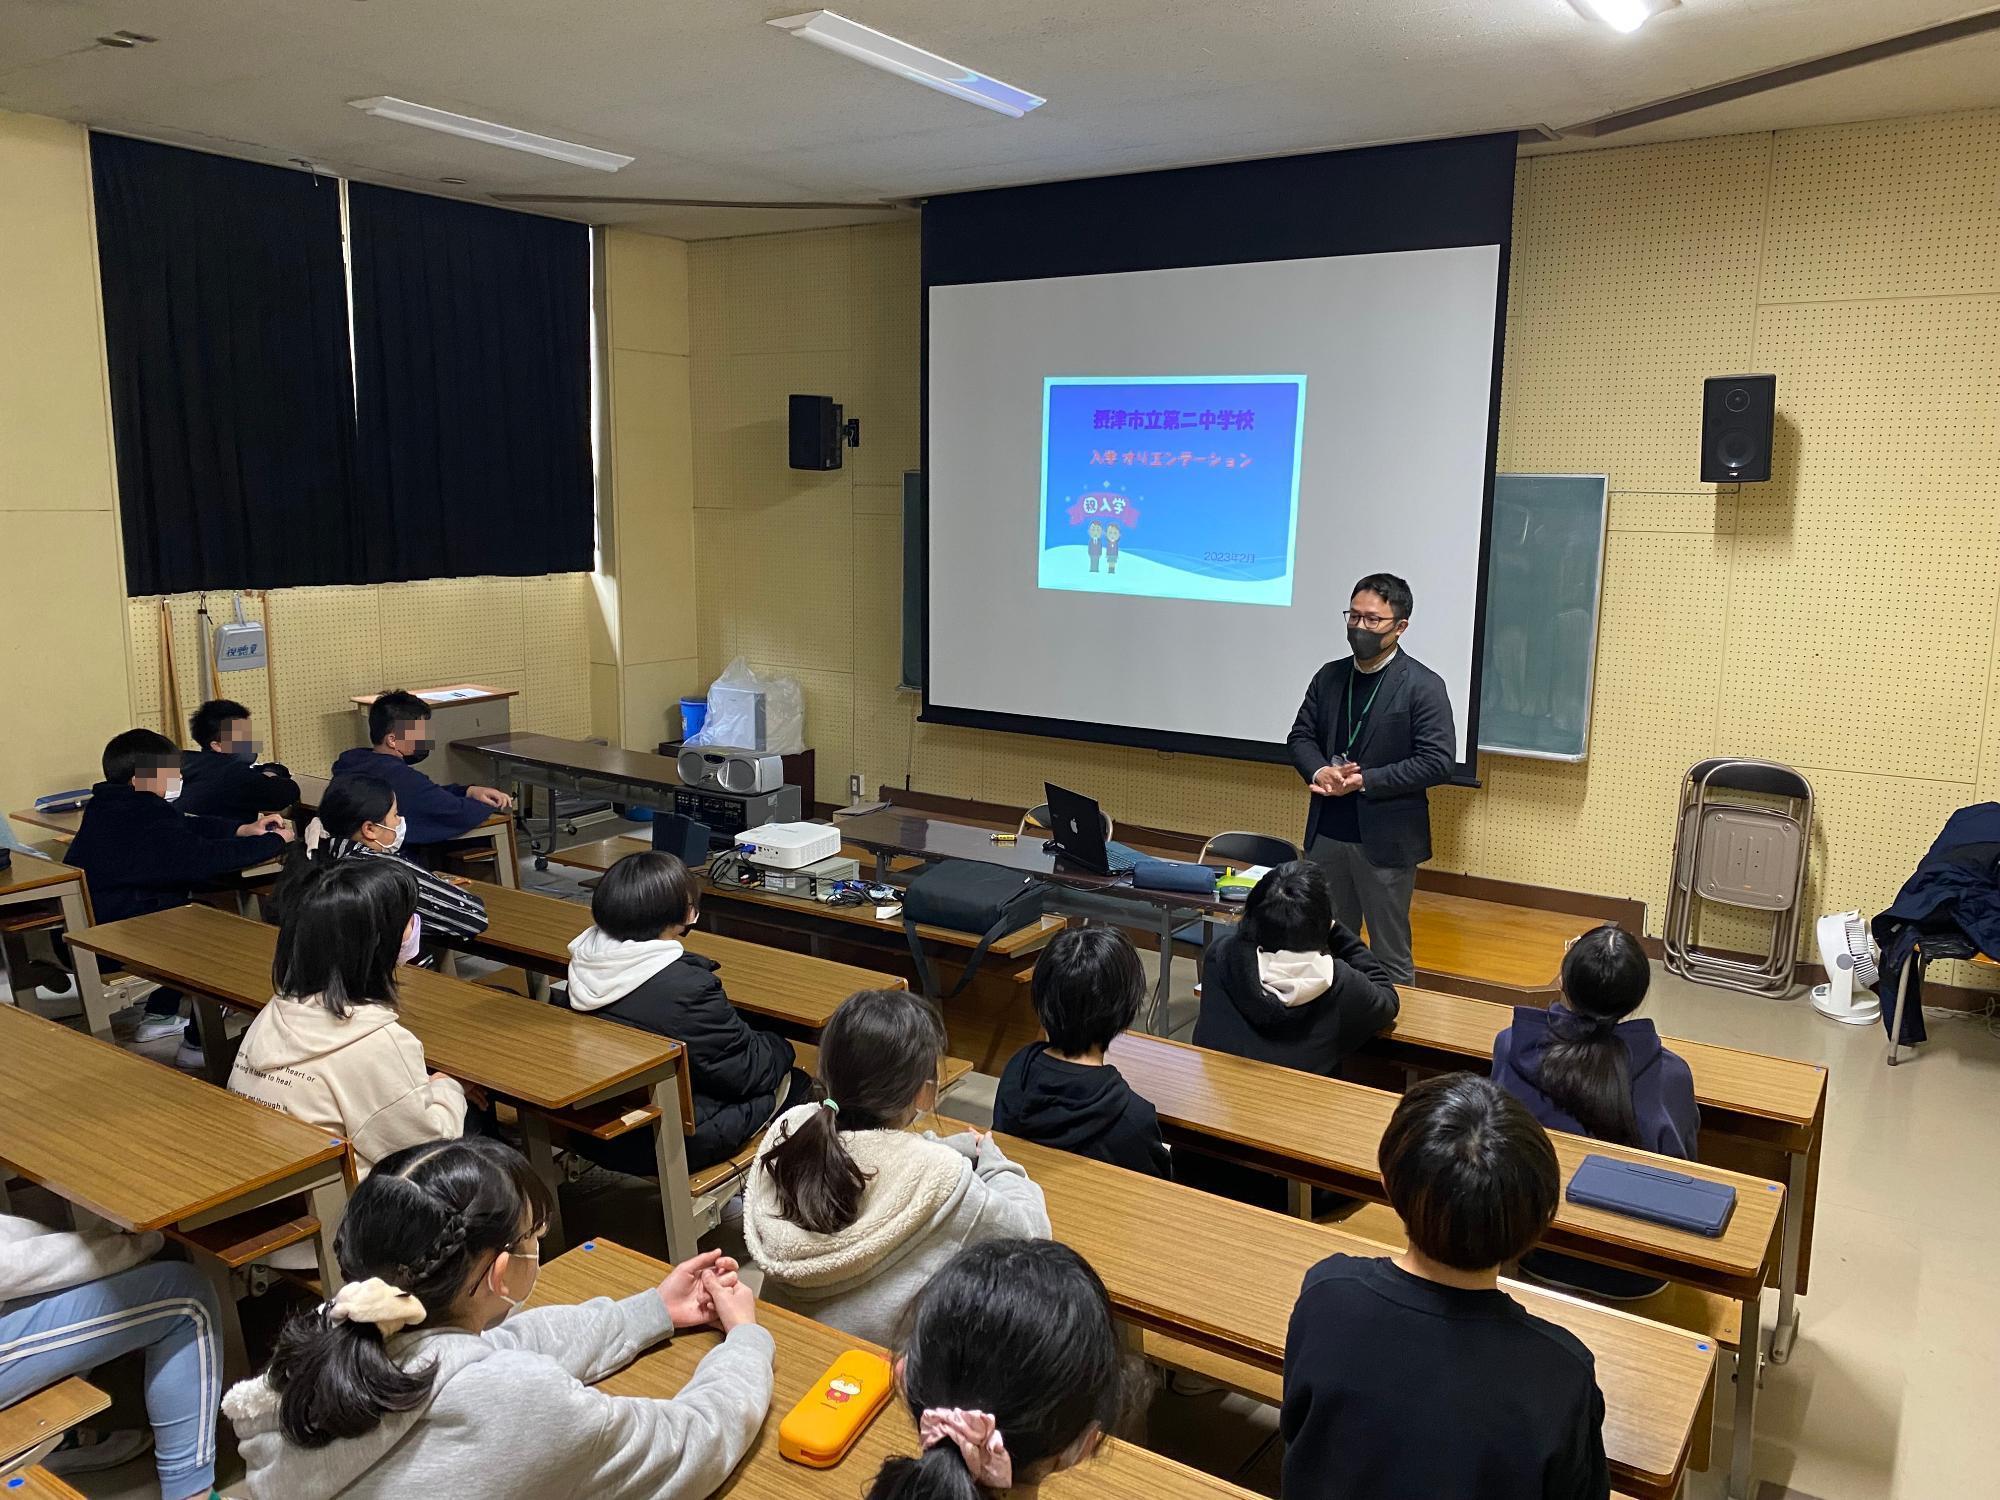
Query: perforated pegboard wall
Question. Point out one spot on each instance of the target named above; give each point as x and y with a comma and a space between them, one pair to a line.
1843, 617
326, 644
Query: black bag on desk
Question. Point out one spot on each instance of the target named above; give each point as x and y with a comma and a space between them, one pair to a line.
967, 897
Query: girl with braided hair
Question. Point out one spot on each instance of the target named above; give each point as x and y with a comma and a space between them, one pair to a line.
421, 1374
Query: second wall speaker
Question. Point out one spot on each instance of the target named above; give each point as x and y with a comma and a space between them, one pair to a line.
819, 432
1737, 413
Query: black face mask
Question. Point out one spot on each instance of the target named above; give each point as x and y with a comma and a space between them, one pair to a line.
411, 757
1366, 644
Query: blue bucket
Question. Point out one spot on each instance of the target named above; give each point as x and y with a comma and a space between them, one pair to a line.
694, 714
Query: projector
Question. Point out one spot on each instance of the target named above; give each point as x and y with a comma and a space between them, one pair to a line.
789, 846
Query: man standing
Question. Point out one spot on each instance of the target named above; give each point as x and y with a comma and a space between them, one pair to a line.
1373, 735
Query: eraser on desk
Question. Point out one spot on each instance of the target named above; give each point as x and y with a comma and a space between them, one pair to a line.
837, 1410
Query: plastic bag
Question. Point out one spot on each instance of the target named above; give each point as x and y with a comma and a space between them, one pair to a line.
747, 711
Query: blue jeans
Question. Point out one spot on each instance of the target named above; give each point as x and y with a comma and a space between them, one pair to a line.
163, 1307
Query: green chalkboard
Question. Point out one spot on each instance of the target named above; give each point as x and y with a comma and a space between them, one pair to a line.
1544, 578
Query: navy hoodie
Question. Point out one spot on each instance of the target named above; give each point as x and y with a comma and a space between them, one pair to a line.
435, 813
1239, 1015
222, 786
140, 853
1662, 1085
1073, 1107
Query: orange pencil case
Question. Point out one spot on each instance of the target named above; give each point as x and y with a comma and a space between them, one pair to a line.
837, 1410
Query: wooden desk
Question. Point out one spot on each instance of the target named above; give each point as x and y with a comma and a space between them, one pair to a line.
31, 878
145, 1147
1772, 1109
546, 1061
559, 765
47, 1414
1326, 1132
1512, 946
599, 1268
802, 992
1204, 1291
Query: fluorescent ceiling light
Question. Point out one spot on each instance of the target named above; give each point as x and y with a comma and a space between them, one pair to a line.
405, 112
1623, 15
880, 50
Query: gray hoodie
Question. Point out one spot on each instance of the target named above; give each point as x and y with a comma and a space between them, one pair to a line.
512, 1416
926, 1200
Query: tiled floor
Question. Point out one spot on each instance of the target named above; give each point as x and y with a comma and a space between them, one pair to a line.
1898, 1361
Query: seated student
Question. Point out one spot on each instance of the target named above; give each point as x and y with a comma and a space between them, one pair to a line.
1012, 1369
1061, 1092
358, 819
1417, 1375
630, 966
70, 1302
221, 777
1288, 984
422, 1377
139, 853
328, 1048
399, 732
1581, 1066
846, 1210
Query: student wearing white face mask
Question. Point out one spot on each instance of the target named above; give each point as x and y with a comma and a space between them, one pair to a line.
140, 854
328, 1048
421, 1371
359, 819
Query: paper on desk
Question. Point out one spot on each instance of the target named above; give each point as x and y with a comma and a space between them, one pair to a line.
448, 695
1253, 873
888, 913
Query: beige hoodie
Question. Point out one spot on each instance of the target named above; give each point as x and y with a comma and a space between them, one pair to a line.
362, 1078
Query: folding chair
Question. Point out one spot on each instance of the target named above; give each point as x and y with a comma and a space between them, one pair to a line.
1743, 854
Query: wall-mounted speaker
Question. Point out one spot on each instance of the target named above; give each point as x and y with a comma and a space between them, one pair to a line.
819, 433
1737, 413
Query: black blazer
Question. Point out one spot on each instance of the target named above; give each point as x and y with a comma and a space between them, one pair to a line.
1407, 745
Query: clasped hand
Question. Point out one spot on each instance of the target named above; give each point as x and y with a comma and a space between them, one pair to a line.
1336, 781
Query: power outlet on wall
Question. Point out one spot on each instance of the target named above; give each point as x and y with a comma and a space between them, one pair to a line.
854, 788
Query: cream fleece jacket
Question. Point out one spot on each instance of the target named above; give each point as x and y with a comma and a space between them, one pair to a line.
362, 1078
924, 1202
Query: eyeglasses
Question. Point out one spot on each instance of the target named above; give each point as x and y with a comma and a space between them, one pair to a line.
1376, 623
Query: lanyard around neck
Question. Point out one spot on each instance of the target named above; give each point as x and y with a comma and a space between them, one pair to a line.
1354, 725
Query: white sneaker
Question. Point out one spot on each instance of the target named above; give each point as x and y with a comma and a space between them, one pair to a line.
159, 1028
106, 1450
189, 1058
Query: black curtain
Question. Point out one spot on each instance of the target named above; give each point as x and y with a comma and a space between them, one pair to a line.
225, 320
472, 366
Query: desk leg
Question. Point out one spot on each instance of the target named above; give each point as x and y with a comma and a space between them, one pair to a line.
1787, 1331
541, 1157
508, 857
235, 1357
670, 1157
1299, 1199
215, 1051
329, 1204
1159, 1021
1742, 1442
96, 1011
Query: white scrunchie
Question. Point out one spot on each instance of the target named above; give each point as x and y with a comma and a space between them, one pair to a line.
389, 1308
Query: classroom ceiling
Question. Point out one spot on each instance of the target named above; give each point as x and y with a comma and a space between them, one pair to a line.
715, 104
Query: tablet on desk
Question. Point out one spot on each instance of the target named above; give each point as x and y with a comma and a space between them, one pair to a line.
1657, 1194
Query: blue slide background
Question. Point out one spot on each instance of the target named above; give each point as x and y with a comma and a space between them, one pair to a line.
1215, 492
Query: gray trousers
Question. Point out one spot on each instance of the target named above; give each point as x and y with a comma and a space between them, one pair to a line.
1371, 894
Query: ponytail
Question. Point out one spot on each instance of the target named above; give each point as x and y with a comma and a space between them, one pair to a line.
937, 1474
1586, 1069
423, 1222
875, 1055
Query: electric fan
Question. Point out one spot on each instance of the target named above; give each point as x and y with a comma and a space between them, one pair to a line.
1849, 955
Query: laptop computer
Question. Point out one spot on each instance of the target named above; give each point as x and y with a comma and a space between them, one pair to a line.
1076, 828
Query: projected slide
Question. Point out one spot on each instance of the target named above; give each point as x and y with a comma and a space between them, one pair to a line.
1172, 487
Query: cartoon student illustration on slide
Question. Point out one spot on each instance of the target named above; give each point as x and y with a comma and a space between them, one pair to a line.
1097, 546
1111, 548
